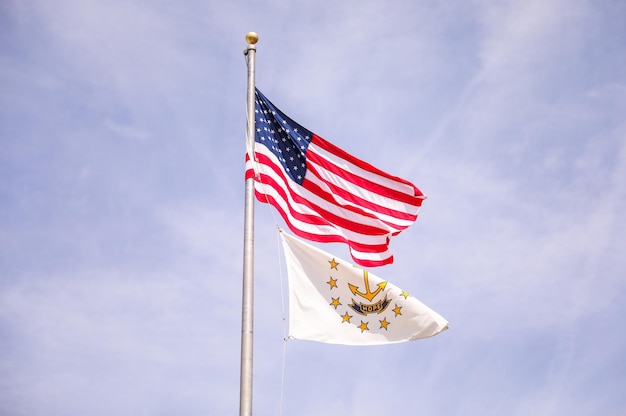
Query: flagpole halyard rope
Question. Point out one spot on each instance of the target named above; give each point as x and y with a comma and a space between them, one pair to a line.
284, 319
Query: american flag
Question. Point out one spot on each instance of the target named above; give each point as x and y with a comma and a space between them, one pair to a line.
325, 194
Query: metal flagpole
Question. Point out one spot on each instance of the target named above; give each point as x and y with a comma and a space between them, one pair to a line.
247, 308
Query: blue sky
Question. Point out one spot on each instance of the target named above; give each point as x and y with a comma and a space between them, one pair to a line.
122, 130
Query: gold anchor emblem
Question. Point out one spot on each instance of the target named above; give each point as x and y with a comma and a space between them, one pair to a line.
369, 295
364, 308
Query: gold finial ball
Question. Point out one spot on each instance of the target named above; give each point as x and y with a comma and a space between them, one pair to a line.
252, 38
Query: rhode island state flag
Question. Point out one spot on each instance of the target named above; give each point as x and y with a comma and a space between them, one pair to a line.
333, 301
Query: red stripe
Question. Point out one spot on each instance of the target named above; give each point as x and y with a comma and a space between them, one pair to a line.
342, 154
373, 263
322, 238
312, 219
329, 238
358, 201
315, 189
330, 198
332, 219
383, 191
322, 216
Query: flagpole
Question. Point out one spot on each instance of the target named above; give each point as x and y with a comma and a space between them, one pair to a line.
247, 307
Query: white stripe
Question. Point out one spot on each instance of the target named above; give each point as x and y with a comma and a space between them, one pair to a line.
328, 230
363, 193
398, 223
314, 229
358, 171
335, 209
303, 209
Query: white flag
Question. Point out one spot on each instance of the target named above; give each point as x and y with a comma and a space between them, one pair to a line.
331, 300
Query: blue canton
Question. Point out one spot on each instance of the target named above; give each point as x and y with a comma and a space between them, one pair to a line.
284, 137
